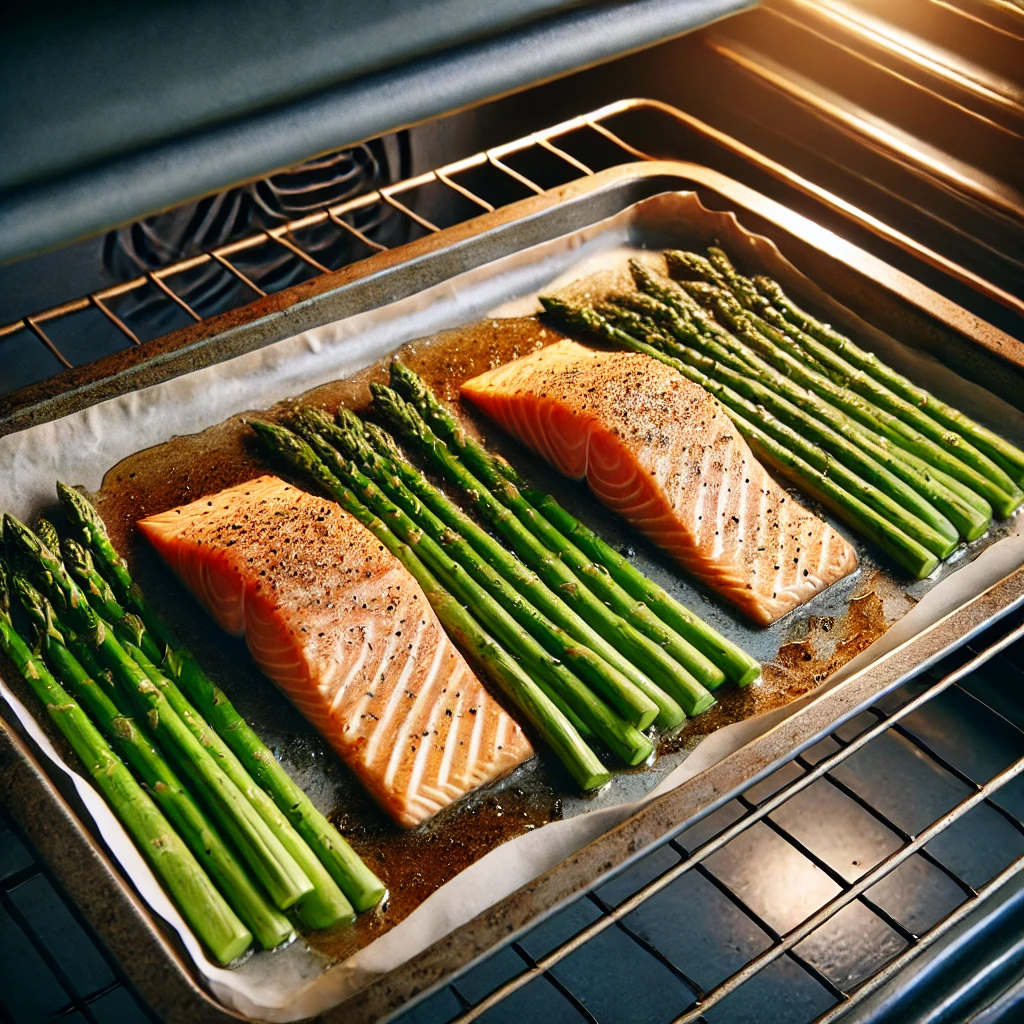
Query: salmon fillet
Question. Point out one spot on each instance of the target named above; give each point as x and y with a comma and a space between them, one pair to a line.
661, 452
344, 630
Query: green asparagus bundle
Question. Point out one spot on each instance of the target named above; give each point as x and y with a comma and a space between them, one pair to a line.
497, 664
359, 884
131, 740
207, 913
905, 469
325, 905
865, 390
667, 673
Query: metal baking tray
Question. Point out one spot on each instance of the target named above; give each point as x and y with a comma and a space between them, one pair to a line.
886, 297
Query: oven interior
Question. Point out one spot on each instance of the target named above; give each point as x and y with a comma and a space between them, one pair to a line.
877, 876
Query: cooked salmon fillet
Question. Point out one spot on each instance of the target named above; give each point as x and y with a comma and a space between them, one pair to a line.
661, 452
341, 627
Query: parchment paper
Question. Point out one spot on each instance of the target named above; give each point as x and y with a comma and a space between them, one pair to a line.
292, 984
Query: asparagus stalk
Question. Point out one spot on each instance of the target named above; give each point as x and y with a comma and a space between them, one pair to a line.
655, 662
24, 549
742, 287
93, 534
622, 738
204, 909
263, 852
360, 885
517, 686
594, 574
101, 597
907, 426
526, 581
929, 494
904, 549
323, 907
131, 741
632, 703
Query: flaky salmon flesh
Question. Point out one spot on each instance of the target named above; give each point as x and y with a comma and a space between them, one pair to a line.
337, 622
662, 453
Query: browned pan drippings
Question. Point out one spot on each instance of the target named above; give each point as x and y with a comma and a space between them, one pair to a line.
415, 864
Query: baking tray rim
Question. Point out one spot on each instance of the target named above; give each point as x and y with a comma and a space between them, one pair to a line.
658, 820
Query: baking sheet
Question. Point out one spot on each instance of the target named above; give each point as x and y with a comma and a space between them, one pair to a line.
294, 983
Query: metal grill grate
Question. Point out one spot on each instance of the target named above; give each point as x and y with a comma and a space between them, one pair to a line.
42, 344
805, 894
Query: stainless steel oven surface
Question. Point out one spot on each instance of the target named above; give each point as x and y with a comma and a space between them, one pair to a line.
858, 861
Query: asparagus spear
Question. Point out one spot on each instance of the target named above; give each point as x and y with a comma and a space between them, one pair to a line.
595, 575
910, 428
529, 584
131, 741
94, 535
632, 703
666, 672
262, 850
100, 596
323, 907
517, 686
997, 448
911, 555
905, 477
207, 913
362, 887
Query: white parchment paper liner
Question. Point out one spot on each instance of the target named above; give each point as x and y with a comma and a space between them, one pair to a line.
291, 984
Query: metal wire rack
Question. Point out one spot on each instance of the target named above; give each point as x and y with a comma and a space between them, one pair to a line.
81, 333
74, 333
809, 891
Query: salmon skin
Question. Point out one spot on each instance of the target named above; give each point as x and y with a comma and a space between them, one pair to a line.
341, 627
660, 451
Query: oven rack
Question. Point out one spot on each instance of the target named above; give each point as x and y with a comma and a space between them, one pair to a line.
78, 344
971, 852
472, 186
